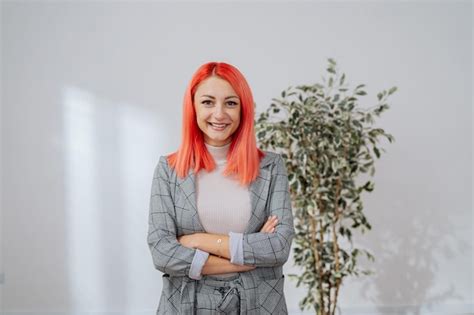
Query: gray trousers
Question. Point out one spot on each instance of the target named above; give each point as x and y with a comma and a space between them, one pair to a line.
216, 296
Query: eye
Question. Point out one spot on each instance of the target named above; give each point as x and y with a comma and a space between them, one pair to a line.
206, 102
232, 103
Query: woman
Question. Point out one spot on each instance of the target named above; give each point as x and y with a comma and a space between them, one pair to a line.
220, 224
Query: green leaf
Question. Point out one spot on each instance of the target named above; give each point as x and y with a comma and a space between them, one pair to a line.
392, 90
377, 152
341, 81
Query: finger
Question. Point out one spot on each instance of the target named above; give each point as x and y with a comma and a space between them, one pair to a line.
267, 228
271, 228
270, 221
269, 224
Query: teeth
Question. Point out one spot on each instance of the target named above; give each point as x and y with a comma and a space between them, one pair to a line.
218, 125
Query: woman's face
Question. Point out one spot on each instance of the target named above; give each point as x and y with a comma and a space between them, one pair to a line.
217, 110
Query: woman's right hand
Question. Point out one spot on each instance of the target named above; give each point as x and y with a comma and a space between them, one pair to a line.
269, 226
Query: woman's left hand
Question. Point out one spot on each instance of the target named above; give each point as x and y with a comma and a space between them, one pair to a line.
188, 240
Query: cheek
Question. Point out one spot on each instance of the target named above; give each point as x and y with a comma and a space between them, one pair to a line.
202, 115
236, 118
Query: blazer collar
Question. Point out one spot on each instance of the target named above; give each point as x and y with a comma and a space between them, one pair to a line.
258, 190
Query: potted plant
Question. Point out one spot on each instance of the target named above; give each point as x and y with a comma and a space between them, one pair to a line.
327, 141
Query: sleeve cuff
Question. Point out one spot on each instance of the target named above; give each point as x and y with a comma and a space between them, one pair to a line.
236, 248
199, 260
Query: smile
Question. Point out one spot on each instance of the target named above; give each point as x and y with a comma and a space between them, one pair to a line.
218, 127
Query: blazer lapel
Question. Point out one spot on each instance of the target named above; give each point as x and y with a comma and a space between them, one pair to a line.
258, 190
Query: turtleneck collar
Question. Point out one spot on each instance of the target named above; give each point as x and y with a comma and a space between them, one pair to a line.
218, 153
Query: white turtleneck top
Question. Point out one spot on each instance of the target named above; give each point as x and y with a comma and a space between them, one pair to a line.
224, 208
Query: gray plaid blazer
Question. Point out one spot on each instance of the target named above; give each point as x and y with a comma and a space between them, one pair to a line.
173, 213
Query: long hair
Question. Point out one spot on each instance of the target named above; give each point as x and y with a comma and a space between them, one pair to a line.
243, 158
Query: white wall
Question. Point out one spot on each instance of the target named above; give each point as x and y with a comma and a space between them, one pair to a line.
1, 174
92, 95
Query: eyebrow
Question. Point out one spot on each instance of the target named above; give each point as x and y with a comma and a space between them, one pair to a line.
210, 96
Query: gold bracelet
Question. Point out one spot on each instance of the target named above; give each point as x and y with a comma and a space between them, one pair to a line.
219, 241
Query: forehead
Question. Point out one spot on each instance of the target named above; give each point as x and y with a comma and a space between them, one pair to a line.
215, 86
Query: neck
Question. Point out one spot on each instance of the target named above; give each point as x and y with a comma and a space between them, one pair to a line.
219, 153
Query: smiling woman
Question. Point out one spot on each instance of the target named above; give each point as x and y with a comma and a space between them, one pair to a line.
220, 223
217, 109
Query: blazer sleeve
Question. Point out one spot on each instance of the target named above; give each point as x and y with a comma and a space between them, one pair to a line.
169, 256
269, 249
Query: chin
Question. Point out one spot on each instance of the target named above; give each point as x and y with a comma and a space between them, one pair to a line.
219, 139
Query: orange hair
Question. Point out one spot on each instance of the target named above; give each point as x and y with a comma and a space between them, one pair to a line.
243, 158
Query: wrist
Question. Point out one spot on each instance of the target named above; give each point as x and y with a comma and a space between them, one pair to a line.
196, 240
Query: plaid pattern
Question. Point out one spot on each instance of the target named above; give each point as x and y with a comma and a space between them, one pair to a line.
173, 212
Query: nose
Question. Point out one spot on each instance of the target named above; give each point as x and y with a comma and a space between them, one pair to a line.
219, 111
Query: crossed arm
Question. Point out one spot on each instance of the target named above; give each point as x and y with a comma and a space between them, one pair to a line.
258, 249
207, 243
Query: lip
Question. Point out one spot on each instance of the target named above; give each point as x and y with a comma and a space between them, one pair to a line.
211, 125
218, 129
